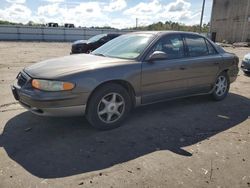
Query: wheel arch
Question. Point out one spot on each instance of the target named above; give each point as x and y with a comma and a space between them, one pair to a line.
128, 86
226, 70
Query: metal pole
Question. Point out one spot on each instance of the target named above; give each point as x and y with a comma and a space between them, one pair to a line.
202, 12
136, 23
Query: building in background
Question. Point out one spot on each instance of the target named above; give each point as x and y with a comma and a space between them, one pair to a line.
230, 20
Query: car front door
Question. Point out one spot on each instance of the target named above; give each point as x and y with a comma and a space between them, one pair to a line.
204, 63
165, 78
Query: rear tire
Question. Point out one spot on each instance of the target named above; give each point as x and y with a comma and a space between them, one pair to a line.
221, 87
108, 106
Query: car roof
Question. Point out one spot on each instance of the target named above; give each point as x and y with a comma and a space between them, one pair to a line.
113, 33
163, 32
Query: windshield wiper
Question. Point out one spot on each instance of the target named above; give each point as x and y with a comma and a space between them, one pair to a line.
99, 54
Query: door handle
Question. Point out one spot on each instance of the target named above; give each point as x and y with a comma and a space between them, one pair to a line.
183, 68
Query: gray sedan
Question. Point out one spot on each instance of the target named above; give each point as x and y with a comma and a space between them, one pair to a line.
132, 70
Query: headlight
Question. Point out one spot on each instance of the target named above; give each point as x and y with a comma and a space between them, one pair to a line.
48, 85
246, 58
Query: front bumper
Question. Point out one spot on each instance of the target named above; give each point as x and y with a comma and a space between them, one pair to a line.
50, 103
245, 66
57, 112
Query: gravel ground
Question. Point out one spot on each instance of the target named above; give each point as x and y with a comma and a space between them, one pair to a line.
192, 142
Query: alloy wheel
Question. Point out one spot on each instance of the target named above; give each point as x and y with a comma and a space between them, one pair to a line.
221, 85
111, 108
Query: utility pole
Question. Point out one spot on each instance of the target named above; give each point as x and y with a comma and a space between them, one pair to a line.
202, 12
136, 23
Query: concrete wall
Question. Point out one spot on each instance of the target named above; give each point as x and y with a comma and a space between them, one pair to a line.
231, 20
60, 34
51, 34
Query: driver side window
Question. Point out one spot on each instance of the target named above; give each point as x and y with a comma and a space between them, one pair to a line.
172, 45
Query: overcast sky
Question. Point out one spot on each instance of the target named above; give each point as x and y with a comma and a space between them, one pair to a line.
114, 13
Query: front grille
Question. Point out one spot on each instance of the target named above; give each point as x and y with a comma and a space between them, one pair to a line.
245, 65
76, 49
21, 80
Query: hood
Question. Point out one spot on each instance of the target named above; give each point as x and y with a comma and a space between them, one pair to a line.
63, 66
80, 42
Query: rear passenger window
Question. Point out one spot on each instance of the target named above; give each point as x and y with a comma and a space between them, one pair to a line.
196, 46
211, 49
172, 45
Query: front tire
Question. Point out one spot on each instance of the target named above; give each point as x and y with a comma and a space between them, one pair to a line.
221, 87
108, 106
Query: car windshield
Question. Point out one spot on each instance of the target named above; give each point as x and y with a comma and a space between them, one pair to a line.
126, 46
96, 38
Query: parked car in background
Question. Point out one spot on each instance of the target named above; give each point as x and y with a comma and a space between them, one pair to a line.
51, 24
131, 70
245, 65
87, 46
68, 25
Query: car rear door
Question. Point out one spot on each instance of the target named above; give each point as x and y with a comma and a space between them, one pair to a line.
165, 78
204, 62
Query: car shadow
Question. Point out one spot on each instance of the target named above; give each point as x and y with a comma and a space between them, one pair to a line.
60, 147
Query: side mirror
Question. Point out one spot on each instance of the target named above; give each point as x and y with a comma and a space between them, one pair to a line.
157, 55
